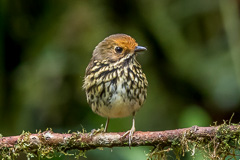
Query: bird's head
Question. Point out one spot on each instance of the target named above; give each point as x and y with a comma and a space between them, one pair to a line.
115, 47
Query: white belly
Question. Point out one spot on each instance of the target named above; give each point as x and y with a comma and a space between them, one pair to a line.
120, 105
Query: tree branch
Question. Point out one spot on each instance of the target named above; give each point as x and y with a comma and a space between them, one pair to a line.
56, 142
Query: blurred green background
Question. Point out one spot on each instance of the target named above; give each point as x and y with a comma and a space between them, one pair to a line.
192, 64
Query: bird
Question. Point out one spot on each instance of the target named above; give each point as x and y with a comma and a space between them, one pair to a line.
114, 82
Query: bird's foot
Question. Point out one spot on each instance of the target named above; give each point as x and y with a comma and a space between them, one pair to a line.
130, 135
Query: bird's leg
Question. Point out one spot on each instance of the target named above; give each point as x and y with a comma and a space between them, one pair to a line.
131, 131
106, 125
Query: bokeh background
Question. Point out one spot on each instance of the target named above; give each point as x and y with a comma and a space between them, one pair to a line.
192, 64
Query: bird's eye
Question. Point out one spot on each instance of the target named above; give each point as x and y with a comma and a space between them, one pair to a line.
118, 49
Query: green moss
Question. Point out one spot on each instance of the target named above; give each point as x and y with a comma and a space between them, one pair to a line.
81, 154
224, 144
25, 146
125, 143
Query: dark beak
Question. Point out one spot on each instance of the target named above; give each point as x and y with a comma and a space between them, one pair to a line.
139, 49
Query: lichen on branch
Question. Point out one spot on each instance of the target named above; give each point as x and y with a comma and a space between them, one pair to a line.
216, 142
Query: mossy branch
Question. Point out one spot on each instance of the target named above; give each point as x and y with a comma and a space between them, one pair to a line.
43, 143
